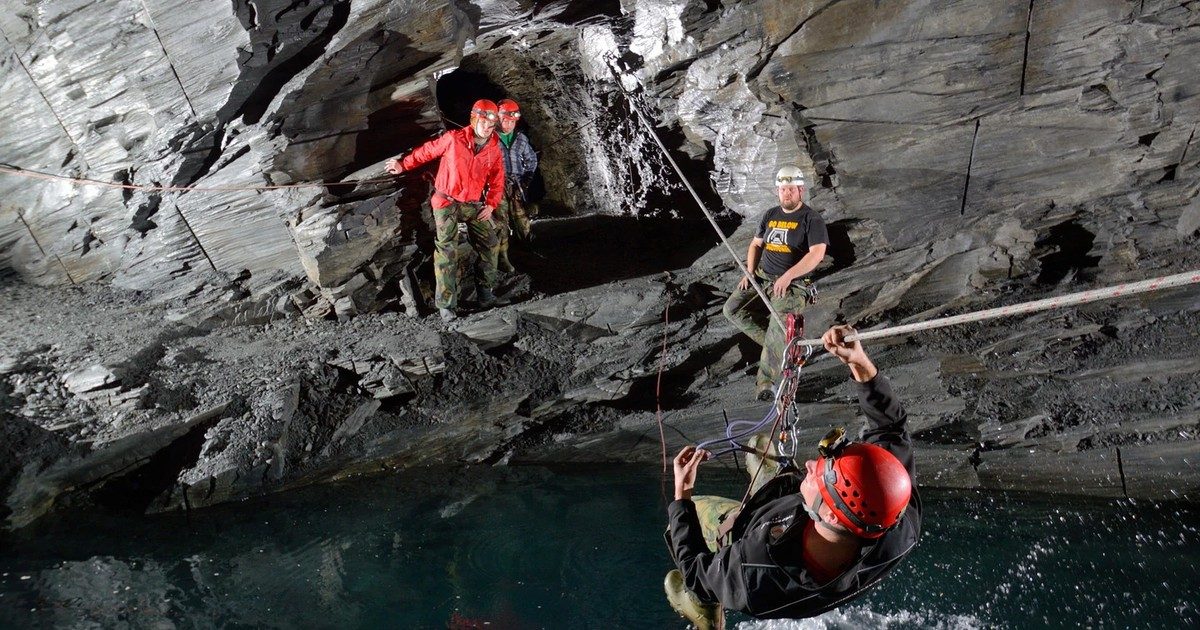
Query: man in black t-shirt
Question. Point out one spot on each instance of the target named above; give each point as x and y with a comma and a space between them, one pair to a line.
790, 242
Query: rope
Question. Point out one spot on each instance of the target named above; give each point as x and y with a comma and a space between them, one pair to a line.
778, 409
32, 174
662, 358
780, 413
1071, 299
1083, 297
708, 215
762, 461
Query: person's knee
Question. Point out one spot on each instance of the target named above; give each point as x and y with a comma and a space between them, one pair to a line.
732, 305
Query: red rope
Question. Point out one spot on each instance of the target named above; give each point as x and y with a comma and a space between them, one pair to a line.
662, 436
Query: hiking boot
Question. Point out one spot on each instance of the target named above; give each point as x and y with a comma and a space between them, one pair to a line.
447, 315
504, 265
761, 469
703, 616
486, 298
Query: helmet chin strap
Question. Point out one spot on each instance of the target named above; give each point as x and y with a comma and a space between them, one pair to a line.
814, 509
814, 512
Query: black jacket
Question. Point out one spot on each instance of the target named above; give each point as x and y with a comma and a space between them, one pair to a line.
764, 575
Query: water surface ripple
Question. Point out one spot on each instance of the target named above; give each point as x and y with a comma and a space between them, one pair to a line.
532, 547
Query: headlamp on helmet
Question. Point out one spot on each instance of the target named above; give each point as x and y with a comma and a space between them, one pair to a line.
509, 108
485, 109
789, 176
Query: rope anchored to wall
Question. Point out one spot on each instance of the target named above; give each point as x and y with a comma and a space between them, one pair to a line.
645, 120
85, 181
1073, 299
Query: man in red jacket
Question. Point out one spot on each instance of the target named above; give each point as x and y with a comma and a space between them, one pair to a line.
468, 187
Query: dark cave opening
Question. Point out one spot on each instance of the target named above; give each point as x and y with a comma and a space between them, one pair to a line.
457, 91
572, 254
1065, 250
576, 248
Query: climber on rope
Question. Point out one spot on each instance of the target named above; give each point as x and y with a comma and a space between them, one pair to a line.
520, 161
809, 539
789, 244
468, 188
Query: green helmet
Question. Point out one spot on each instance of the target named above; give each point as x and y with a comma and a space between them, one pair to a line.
789, 176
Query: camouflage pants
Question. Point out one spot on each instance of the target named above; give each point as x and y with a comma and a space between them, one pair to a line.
483, 239
750, 315
511, 219
713, 510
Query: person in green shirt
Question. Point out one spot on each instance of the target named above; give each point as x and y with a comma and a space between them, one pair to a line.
520, 162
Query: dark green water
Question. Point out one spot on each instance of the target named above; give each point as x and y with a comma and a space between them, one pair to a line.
572, 548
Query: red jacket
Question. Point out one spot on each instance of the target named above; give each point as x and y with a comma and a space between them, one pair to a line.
462, 173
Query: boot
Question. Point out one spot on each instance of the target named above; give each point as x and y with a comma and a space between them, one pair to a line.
703, 616
447, 315
486, 298
503, 264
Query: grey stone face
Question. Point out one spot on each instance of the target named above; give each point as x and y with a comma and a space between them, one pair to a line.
965, 154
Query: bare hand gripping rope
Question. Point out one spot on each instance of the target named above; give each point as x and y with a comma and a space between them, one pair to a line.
1071, 299
782, 411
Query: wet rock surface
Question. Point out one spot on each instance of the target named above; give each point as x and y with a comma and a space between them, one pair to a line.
1080, 402
167, 350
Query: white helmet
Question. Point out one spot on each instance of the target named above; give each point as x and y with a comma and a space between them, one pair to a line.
789, 176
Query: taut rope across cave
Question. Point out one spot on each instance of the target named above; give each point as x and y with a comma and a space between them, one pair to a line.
793, 361
32, 174
1062, 301
782, 415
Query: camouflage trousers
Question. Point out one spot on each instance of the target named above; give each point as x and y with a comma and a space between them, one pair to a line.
511, 218
713, 511
750, 315
482, 235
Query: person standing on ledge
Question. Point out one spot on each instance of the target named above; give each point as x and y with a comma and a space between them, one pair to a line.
468, 187
790, 242
806, 541
520, 161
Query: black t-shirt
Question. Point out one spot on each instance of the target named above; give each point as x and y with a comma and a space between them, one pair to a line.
787, 237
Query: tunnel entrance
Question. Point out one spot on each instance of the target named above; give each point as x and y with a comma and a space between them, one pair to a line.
456, 91
575, 253
587, 234
595, 156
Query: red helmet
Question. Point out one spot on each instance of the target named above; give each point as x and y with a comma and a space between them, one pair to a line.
485, 109
865, 486
509, 108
